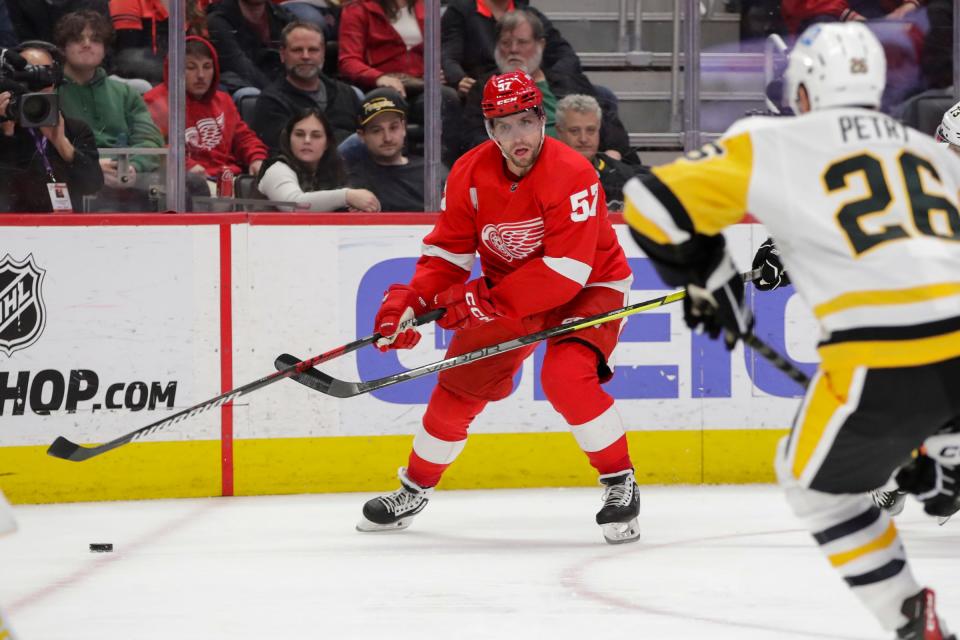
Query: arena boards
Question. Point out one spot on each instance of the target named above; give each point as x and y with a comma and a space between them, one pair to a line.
119, 318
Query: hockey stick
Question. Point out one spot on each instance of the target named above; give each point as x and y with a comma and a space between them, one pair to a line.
778, 361
67, 450
324, 383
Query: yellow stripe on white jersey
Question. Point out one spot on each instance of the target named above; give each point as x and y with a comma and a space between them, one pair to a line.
863, 210
712, 184
882, 354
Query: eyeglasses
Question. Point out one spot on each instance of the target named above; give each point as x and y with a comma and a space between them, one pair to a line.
509, 43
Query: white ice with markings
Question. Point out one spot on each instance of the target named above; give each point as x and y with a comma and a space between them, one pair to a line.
715, 562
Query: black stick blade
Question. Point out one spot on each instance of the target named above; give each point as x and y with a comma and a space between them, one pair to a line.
316, 380
66, 450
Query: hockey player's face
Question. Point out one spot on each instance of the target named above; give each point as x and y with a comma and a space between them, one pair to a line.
520, 136
581, 131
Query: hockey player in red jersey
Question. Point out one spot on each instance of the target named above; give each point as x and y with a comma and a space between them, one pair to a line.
533, 210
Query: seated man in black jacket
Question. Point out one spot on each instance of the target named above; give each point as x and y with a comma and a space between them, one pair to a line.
578, 126
304, 86
245, 34
46, 168
468, 39
520, 46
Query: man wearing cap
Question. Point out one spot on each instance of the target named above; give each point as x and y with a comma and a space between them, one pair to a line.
396, 179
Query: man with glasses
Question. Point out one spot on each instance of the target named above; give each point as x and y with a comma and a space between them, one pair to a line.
520, 46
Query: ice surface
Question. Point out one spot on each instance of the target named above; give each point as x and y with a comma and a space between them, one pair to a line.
714, 563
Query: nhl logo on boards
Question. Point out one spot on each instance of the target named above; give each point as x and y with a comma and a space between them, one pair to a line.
23, 315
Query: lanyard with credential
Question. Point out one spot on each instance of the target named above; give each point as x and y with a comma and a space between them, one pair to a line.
41, 144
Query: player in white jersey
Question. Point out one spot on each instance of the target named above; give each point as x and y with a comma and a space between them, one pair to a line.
864, 214
948, 132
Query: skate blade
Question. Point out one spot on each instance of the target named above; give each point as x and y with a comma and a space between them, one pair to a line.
942, 520
366, 526
897, 507
621, 532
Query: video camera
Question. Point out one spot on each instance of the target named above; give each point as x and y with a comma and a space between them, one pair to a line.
28, 106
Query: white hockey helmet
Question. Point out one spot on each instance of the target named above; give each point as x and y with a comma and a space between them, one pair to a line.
949, 130
839, 64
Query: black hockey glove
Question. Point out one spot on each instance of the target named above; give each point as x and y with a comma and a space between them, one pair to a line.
772, 273
717, 303
936, 485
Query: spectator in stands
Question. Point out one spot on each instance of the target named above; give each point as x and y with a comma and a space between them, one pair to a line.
35, 19
32, 159
578, 125
8, 36
308, 171
113, 110
381, 45
323, 13
141, 38
196, 17
304, 86
217, 139
396, 179
800, 14
520, 46
936, 58
468, 40
245, 34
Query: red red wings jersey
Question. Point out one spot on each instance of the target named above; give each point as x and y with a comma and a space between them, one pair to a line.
541, 238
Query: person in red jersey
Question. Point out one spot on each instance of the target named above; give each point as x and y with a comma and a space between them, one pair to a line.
533, 209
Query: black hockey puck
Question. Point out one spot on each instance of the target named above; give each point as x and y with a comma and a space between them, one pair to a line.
101, 547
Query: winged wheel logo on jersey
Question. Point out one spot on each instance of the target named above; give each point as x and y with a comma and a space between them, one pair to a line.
22, 312
513, 240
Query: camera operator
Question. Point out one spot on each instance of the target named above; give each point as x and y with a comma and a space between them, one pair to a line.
42, 168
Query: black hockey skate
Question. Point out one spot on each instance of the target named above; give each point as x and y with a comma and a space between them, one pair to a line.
621, 506
396, 510
890, 501
923, 621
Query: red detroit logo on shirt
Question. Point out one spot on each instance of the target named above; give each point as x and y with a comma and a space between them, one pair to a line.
513, 240
207, 134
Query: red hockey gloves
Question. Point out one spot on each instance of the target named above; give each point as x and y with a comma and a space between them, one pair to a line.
772, 273
717, 304
468, 305
394, 321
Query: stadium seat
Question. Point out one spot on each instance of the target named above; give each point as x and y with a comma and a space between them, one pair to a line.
924, 112
247, 105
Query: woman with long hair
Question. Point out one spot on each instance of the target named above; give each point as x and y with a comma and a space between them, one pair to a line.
308, 170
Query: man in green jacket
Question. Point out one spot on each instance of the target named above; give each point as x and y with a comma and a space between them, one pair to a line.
114, 111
